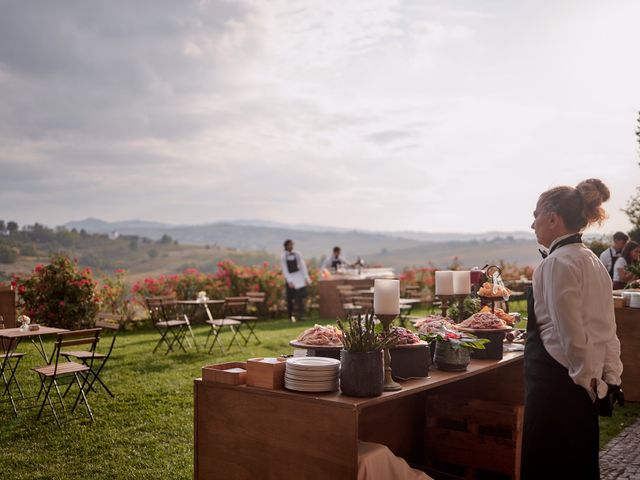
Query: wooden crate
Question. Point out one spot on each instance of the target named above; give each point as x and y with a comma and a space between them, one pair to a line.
473, 439
231, 373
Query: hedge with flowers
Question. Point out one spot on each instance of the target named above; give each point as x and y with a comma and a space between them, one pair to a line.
230, 279
58, 294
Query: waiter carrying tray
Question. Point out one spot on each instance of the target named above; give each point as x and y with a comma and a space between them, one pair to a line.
296, 280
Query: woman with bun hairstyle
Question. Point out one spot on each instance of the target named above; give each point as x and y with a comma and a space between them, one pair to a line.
630, 254
572, 361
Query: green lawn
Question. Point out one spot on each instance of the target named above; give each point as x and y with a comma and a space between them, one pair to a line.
147, 430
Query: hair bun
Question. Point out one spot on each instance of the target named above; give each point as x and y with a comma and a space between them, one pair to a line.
594, 193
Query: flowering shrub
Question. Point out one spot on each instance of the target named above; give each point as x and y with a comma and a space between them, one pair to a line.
230, 279
115, 296
58, 294
511, 271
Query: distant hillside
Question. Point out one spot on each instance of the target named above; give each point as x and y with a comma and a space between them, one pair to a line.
470, 254
313, 241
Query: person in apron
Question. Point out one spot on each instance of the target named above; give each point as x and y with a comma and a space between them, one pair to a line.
296, 280
336, 261
611, 254
572, 355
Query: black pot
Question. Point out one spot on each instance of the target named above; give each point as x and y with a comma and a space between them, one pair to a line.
410, 361
361, 373
493, 349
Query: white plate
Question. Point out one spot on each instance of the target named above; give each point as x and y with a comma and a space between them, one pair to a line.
327, 388
316, 371
314, 363
295, 378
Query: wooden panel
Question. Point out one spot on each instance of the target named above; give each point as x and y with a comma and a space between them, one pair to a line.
242, 434
398, 424
8, 306
628, 330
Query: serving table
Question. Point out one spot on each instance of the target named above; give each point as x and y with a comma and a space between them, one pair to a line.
628, 331
244, 432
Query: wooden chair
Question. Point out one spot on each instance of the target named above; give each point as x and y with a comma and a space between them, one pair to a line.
258, 304
108, 322
236, 308
9, 361
365, 304
165, 327
57, 370
347, 294
217, 324
172, 311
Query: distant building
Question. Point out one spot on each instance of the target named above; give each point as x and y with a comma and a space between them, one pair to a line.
114, 235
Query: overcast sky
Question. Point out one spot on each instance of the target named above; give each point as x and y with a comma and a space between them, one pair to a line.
373, 114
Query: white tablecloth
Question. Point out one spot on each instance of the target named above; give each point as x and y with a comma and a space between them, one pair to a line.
377, 462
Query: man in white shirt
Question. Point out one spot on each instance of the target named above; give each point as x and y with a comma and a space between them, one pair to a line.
296, 280
611, 254
572, 364
335, 261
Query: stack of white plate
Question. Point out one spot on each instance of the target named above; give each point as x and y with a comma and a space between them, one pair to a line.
634, 300
312, 374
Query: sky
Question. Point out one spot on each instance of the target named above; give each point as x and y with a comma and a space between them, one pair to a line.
441, 116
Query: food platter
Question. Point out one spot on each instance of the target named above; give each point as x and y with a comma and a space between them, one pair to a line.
297, 344
484, 330
421, 343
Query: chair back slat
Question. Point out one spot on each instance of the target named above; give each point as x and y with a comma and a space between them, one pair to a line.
236, 305
78, 337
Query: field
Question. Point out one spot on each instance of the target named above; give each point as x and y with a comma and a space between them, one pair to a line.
146, 431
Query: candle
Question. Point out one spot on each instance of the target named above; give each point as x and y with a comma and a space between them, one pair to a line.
386, 297
444, 282
462, 282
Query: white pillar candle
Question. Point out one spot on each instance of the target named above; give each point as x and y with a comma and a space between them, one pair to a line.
386, 297
444, 282
462, 282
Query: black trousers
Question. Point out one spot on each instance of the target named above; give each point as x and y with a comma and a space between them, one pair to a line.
561, 430
298, 296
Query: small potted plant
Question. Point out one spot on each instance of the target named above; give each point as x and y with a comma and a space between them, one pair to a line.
361, 362
453, 348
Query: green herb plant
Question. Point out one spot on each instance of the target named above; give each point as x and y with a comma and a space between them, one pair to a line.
361, 336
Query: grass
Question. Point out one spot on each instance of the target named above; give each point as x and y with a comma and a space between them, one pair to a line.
147, 430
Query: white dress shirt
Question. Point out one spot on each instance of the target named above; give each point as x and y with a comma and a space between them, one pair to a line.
330, 259
607, 257
300, 278
575, 314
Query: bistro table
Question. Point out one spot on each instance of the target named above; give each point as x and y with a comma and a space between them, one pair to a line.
193, 306
19, 334
245, 432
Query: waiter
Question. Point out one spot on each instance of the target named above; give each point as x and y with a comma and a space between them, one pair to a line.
572, 362
611, 254
335, 261
296, 280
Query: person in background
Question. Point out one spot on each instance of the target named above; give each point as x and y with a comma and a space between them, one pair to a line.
630, 254
611, 254
572, 361
296, 280
335, 261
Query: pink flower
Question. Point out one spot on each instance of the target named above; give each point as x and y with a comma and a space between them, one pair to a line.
61, 303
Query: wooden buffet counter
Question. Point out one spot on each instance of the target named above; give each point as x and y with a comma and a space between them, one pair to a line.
245, 432
8, 306
628, 330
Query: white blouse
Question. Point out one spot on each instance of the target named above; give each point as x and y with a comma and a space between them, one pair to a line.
621, 263
575, 314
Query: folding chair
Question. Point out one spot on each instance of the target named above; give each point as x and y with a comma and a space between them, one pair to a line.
9, 361
57, 370
164, 326
236, 308
217, 324
108, 322
173, 312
